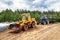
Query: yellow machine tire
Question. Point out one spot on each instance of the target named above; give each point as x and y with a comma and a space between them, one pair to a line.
25, 27
33, 25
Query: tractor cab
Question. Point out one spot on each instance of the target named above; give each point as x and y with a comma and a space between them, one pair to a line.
25, 18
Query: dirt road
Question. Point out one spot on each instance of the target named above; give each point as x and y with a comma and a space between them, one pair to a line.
41, 32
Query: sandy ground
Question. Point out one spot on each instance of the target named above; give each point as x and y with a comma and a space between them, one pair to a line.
41, 32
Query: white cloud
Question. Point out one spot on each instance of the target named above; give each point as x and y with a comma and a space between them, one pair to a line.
37, 1
17, 4
55, 6
42, 5
3, 6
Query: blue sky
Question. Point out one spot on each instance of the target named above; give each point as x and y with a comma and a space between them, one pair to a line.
41, 5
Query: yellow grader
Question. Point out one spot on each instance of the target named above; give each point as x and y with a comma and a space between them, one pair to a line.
24, 24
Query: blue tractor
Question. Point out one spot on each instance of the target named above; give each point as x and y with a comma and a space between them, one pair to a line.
43, 20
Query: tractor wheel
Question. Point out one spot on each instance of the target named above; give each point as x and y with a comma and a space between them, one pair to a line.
25, 28
44, 23
47, 22
33, 25
17, 26
11, 26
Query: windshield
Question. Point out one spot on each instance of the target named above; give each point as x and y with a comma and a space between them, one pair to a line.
24, 18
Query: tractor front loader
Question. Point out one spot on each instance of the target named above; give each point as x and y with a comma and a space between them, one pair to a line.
24, 24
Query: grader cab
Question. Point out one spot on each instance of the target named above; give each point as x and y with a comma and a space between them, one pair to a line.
24, 24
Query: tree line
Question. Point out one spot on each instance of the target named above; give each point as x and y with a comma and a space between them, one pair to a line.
9, 16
